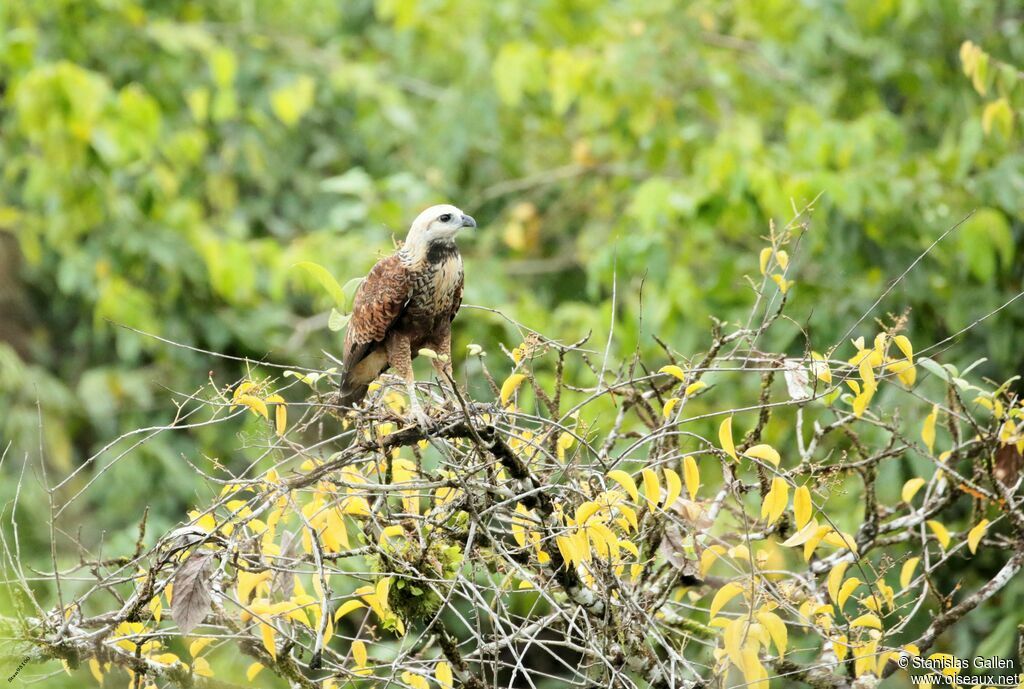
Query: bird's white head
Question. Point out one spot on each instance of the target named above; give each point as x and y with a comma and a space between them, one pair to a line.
441, 222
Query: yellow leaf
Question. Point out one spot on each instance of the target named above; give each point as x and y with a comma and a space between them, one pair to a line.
268, 635
775, 502
812, 542
846, 590
94, 668
509, 387
776, 629
723, 596
673, 370
802, 506
415, 681
196, 647
725, 438
673, 486
867, 620
754, 672
841, 647
652, 491
819, 365
782, 282
281, 418
255, 404
380, 590
708, 557
253, 670
864, 658
629, 515
242, 389
165, 658
692, 476
835, 578
928, 430
910, 488
762, 260
249, 582
201, 667
293, 100
867, 375
694, 387
940, 531
1000, 114
783, 258
806, 532
905, 371
443, 675
841, 540
766, 453
519, 526
157, 608
740, 552
670, 404
567, 548
975, 535
359, 653
907, 572
860, 404
626, 481
968, 59
565, 442
585, 511
888, 593
903, 342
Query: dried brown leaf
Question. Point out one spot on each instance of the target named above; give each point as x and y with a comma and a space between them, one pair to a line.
192, 597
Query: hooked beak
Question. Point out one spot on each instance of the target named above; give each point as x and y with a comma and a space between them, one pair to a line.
467, 221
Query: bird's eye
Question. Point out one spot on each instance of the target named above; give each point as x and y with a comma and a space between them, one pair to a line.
447, 217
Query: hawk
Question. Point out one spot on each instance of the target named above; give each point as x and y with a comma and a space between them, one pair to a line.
407, 302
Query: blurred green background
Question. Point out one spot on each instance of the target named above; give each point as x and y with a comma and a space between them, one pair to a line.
167, 163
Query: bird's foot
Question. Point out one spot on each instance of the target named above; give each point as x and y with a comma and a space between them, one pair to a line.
420, 416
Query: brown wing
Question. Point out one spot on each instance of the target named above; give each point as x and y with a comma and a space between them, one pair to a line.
457, 299
378, 303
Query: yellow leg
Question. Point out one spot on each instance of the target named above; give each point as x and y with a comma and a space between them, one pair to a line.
400, 360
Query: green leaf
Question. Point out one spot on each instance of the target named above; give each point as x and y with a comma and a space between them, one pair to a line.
337, 320
1007, 78
198, 101
354, 182
349, 289
980, 79
519, 69
985, 242
934, 367
289, 103
326, 281
223, 67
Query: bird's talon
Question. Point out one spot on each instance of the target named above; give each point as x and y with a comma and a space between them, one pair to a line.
420, 417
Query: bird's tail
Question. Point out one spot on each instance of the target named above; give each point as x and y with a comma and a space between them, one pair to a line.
351, 393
